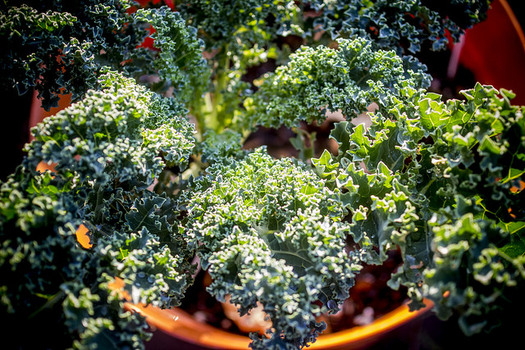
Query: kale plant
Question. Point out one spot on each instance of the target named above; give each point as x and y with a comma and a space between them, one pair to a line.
269, 231
59, 47
405, 26
347, 80
106, 150
149, 161
441, 181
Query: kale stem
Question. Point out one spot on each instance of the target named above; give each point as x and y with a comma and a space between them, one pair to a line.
305, 144
427, 186
366, 75
99, 202
50, 302
200, 110
518, 267
221, 82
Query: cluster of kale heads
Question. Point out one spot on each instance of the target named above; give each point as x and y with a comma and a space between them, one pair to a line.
149, 159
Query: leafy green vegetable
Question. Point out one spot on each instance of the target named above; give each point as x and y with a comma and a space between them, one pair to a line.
60, 47
105, 161
441, 181
176, 59
405, 26
269, 231
234, 24
346, 79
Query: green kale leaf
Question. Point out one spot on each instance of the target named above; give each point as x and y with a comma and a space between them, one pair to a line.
347, 79
442, 181
269, 232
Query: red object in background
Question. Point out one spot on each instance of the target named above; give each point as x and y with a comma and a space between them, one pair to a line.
155, 2
149, 41
494, 50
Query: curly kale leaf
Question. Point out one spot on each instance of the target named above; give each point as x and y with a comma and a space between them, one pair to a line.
61, 47
404, 26
346, 79
105, 158
268, 231
117, 133
177, 59
219, 146
109, 148
443, 182
53, 50
48, 275
233, 24
238, 36
482, 158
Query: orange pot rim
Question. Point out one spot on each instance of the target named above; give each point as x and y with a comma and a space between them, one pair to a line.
183, 326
